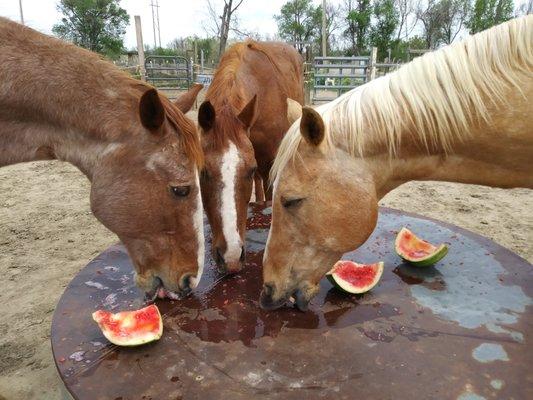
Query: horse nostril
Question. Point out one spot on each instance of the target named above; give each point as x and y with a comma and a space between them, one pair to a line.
186, 282
243, 255
268, 289
219, 257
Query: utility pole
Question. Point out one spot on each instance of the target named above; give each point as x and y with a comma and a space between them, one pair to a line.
21, 13
155, 22
324, 36
140, 47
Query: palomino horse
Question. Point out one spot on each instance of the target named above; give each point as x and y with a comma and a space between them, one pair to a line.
243, 120
140, 152
461, 114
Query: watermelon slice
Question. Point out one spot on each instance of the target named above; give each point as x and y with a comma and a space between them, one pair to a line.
130, 328
355, 278
417, 251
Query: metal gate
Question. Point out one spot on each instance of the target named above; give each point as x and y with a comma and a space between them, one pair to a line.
169, 73
336, 75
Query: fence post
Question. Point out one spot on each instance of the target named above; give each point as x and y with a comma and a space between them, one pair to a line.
373, 61
140, 47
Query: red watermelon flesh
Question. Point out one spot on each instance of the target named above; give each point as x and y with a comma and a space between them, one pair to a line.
355, 278
130, 328
416, 250
362, 276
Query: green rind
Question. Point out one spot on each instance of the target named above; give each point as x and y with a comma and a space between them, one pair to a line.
340, 283
432, 259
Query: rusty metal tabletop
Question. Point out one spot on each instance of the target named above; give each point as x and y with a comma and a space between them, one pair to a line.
461, 329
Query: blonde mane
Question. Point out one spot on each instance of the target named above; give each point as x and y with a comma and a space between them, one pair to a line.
440, 95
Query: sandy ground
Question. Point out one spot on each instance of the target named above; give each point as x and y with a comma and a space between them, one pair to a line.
47, 233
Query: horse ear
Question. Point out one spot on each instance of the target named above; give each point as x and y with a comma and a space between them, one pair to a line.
187, 99
312, 126
248, 114
294, 110
206, 116
151, 111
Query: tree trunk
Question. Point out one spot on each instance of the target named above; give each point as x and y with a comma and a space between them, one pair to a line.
224, 28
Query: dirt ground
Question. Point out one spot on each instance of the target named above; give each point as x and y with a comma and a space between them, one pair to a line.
47, 233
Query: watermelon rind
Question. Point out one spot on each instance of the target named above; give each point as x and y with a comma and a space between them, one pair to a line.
438, 254
134, 340
340, 283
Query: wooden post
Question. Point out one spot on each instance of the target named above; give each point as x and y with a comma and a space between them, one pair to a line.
373, 61
140, 47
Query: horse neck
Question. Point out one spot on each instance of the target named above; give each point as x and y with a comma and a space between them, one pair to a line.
71, 106
73, 126
495, 152
35, 141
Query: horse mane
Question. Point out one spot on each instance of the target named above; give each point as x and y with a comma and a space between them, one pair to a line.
226, 96
439, 96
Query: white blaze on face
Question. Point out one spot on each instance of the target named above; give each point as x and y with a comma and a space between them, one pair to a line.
198, 222
228, 206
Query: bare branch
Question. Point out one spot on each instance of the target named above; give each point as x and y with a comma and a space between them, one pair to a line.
237, 6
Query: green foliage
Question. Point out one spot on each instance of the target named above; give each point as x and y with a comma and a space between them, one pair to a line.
454, 15
487, 13
357, 20
97, 25
400, 48
386, 22
162, 51
298, 21
184, 47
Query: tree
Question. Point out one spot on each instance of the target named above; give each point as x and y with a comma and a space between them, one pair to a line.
386, 21
97, 25
297, 22
221, 25
430, 15
487, 13
406, 10
454, 14
332, 24
357, 24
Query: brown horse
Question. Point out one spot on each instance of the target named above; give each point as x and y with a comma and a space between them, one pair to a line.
460, 114
139, 151
243, 120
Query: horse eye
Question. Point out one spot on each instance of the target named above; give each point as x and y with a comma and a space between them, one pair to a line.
290, 203
180, 191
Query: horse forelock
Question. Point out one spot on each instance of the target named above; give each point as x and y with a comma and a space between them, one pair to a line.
187, 132
227, 128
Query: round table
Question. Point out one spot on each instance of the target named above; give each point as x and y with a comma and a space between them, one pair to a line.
461, 329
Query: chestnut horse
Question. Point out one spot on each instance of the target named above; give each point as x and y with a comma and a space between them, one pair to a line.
140, 152
459, 114
243, 120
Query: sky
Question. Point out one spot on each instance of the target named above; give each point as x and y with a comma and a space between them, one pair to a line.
178, 18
